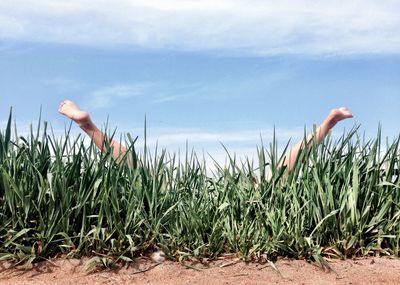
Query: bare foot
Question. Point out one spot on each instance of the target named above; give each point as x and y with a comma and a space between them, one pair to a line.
72, 111
337, 115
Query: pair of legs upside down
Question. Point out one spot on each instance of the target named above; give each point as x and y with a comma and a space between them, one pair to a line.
82, 118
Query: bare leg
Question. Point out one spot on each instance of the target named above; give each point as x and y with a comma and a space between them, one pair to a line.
335, 116
72, 111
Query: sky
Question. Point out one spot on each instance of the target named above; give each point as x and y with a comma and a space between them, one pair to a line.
203, 72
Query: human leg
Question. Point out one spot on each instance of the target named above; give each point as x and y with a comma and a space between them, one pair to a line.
335, 116
82, 118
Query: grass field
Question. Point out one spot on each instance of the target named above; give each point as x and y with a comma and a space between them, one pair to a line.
61, 196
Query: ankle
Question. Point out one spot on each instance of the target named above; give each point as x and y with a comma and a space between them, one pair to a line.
85, 122
331, 121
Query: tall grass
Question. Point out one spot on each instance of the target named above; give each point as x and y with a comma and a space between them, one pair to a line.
62, 196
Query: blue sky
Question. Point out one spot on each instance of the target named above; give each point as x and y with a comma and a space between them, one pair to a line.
204, 71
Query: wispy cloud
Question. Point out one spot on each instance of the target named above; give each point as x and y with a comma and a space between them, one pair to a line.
109, 95
64, 84
155, 92
168, 92
253, 27
166, 98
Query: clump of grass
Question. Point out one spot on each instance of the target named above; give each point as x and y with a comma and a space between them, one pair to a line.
60, 196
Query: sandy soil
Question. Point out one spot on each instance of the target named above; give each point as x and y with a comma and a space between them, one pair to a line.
225, 271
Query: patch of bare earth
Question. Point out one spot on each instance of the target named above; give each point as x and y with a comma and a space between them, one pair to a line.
225, 271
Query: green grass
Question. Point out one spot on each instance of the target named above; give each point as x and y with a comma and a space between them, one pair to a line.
61, 196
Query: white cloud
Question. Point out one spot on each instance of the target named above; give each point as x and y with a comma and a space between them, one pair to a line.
106, 96
64, 84
253, 26
157, 91
167, 98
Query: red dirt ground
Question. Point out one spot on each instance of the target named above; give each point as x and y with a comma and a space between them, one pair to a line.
225, 271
